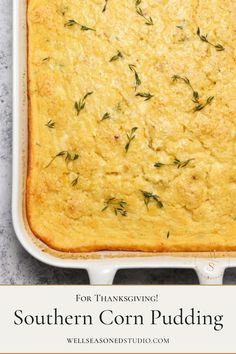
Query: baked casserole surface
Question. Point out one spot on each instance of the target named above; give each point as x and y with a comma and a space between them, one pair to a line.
132, 134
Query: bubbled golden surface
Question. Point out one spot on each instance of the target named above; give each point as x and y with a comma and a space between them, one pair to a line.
173, 188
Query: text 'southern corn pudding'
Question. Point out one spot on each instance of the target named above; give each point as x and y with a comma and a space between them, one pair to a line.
132, 124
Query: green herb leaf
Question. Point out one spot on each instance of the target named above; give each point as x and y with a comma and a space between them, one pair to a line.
85, 28
118, 205
80, 105
105, 6
136, 76
50, 124
130, 138
117, 56
72, 23
106, 116
168, 234
196, 97
159, 164
176, 78
201, 106
178, 163
181, 164
75, 181
219, 47
149, 196
145, 95
148, 19
69, 156
204, 38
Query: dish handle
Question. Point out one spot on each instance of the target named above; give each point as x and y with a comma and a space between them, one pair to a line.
211, 271
101, 275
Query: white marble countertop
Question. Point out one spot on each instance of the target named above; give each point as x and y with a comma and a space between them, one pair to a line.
16, 266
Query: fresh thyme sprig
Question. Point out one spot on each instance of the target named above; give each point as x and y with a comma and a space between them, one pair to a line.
204, 38
75, 181
119, 55
175, 78
69, 156
201, 106
118, 205
176, 162
181, 164
50, 124
72, 23
130, 138
145, 95
149, 196
105, 6
196, 97
106, 116
80, 105
138, 82
148, 19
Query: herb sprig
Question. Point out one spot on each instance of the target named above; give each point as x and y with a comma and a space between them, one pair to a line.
148, 19
118, 205
196, 97
131, 136
145, 95
149, 196
181, 164
72, 23
106, 116
201, 106
50, 124
204, 38
80, 105
175, 78
119, 55
68, 155
176, 162
138, 81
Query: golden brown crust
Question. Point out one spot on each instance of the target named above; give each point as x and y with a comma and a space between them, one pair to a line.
199, 210
29, 165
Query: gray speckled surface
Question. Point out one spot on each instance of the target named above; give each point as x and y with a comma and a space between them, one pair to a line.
16, 266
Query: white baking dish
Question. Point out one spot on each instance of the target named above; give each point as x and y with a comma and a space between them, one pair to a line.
101, 266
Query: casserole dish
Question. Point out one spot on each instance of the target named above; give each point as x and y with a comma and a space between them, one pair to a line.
101, 266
